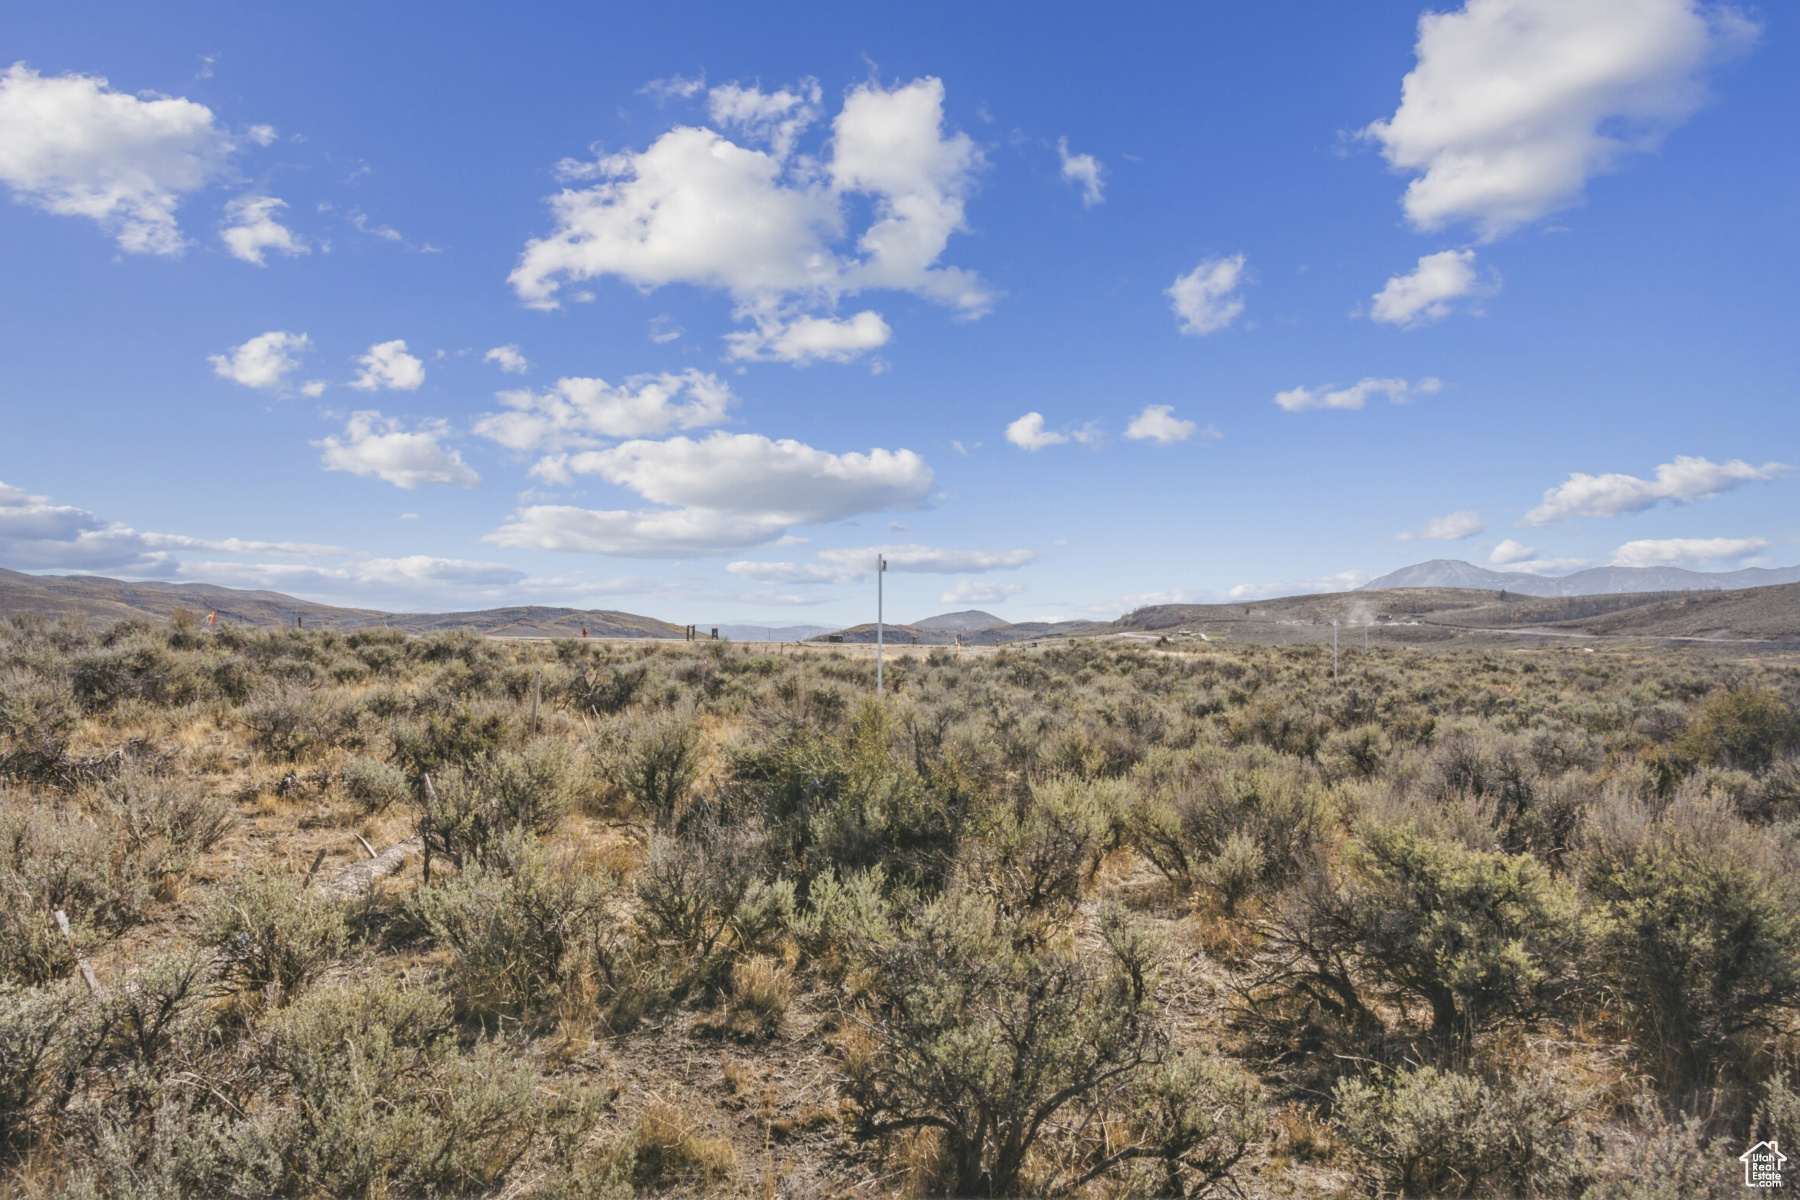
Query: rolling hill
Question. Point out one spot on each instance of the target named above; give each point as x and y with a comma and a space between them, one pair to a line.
93, 598
1767, 615
965, 621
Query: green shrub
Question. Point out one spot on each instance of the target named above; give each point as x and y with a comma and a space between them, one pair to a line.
660, 767
517, 932
1035, 856
380, 1102
1358, 753
1196, 1116
33, 1053
1474, 936
1699, 937
531, 788
52, 858
1425, 1132
135, 666
605, 691
1236, 831
1742, 728
168, 823
464, 738
986, 1038
272, 939
36, 718
293, 722
467, 812
374, 786
704, 898
67, 1056
854, 802
839, 913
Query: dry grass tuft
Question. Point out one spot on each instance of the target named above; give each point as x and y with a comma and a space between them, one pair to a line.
666, 1143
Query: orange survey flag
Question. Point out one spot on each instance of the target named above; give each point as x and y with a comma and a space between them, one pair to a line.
212, 616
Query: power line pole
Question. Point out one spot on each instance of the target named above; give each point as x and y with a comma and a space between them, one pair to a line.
881, 569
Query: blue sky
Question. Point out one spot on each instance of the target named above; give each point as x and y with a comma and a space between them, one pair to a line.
685, 309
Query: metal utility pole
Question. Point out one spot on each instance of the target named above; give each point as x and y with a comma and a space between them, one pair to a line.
881, 569
1334, 629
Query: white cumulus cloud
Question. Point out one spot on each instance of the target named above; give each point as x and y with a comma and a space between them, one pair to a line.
775, 118
72, 146
1429, 292
1343, 581
36, 534
1671, 552
980, 591
573, 412
1515, 103
1158, 423
855, 564
931, 560
508, 359
413, 574
1206, 298
265, 361
802, 340
675, 87
251, 230
787, 572
388, 365
381, 446
1453, 528
1084, 171
724, 492
1028, 433
1685, 480
767, 225
1398, 391
1511, 551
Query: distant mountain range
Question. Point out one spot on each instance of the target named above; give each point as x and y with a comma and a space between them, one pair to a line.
1443, 594
91, 597
1596, 581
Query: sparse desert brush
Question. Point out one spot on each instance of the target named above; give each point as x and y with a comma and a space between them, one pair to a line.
272, 937
55, 858
373, 785
706, 898
1699, 935
167, 822
516, 930
667, 1143
1515, 887
1473, 938
1421, 1131
659, 766
1744, 727
761, 990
